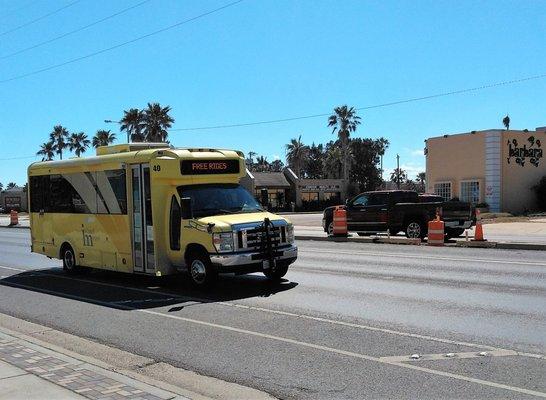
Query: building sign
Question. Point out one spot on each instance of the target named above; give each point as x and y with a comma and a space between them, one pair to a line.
209, 167
12, 202
320, 187
530, 150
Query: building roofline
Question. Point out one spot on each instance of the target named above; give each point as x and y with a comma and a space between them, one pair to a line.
447, 135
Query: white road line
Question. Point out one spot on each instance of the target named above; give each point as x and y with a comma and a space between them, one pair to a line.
450, 356
349, 354
303, 344
14, 269
428, 256
302, 316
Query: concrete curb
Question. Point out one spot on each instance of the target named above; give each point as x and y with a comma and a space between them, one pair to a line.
416, 242
359, 239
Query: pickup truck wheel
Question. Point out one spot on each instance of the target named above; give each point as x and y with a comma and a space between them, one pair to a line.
414, 230
201, 271
330, 228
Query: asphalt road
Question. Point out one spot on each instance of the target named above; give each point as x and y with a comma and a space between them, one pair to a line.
343, 325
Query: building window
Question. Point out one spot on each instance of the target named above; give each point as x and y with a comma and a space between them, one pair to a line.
443, 189
470, 191
309, 196
276, 198
332, 196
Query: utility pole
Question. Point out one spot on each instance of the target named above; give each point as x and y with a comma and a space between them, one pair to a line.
398, 171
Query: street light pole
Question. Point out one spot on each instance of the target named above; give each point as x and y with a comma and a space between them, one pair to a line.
398, 171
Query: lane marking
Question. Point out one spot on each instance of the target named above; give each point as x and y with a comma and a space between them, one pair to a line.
294, 315
302, 344
14, 269
433, 257
452, 356
349, 354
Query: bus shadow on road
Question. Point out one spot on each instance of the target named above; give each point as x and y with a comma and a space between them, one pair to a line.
130, 292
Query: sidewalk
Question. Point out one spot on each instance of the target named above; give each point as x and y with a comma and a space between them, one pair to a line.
29, 371
23, 221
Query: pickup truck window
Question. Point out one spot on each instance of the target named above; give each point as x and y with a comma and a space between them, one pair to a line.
361, 201
378, 199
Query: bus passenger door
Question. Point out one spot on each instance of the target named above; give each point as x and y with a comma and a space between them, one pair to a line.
142, 226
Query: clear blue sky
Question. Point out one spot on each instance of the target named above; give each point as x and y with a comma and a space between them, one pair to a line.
270, 59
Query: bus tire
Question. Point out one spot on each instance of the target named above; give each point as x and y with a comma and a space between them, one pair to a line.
277, 272
69, 259
201, 272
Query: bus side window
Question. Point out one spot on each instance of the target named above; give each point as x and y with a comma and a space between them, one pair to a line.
175, 224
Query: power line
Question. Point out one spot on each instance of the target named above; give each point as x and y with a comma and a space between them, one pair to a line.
121, 44
75, 30
39, 18
17, 158
392, 103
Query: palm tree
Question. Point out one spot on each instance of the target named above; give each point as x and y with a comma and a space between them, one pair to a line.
103, 138
398, 175
47, 151
506, 122
262, 165
133, 123
156, 122
345, 121
421, 180
78, 143
59, 137
333, 165
296, 154
11, 185
249, 161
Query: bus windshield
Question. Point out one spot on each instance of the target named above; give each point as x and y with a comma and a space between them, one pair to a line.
218, 199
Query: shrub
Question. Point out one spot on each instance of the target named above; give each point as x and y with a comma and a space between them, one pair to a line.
540, 191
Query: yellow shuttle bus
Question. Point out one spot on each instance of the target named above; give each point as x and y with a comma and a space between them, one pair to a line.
152, 209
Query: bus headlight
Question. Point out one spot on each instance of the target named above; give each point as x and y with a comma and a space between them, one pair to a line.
223, 242
290, 233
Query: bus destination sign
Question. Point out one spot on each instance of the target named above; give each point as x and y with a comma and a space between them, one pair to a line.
209, 167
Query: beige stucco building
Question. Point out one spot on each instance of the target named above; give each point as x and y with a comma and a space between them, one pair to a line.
497, 167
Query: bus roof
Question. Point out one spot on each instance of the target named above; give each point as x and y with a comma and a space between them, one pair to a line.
137, 153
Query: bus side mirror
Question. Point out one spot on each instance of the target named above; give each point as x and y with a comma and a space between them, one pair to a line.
185, 204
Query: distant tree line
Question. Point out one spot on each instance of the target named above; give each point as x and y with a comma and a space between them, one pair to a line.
11, 185
150, 124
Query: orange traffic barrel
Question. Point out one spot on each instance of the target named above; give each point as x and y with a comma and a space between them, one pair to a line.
436, 232
340, 222
478, 231
14, 218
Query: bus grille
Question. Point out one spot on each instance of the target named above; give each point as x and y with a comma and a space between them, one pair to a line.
255, 239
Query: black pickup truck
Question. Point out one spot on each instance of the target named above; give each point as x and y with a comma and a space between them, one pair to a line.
402, 211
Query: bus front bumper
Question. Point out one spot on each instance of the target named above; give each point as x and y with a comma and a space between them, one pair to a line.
252, 262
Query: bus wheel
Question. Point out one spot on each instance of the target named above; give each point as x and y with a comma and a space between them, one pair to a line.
69, 259
277, 272
202, 272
